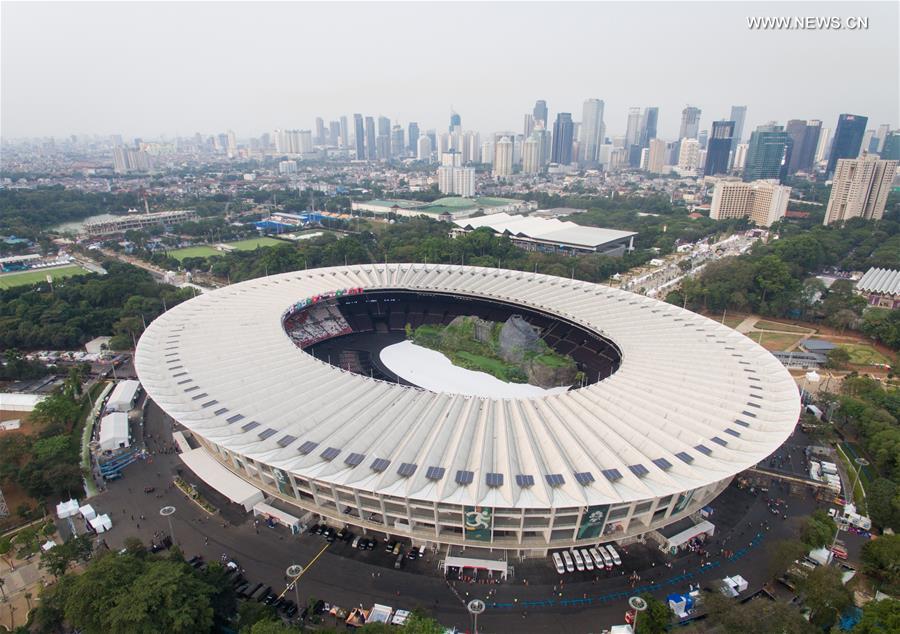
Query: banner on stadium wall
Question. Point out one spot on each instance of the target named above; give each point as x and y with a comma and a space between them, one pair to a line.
592, 521
303, 303
283, 482
478, 522
683, 500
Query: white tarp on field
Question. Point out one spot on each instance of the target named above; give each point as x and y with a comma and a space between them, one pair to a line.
221, 479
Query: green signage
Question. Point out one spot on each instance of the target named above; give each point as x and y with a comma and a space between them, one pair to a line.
592, 521
283, 482
683, 500
478, 521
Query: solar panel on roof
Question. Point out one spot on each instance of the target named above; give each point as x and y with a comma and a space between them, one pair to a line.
380, 464
684, 457
555, 479
220, 411
406, 469
638, 469
191, 389
185, 381
284, 441
199, 396
354, 459
179, 374
493, 479
251, 425
465, 477
703, 449
435, 473
209, 403
662, 463
719, 441
612, 474
733, 432
266, 433
584, 478
235, 418
525, 480
330, 453
307, 447
750, 414
742, 423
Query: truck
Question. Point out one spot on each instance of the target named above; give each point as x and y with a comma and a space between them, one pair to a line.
853, 518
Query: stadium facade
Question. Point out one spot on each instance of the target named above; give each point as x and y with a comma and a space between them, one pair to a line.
683, 405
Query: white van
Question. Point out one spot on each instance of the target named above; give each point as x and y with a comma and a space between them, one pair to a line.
607, 560
615, 556
557, 561
568, 559
588, 561
598, 559
579, 562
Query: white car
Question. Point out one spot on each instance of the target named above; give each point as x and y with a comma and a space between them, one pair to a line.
570, 567
558, 562
579, 562
598, 559
615, 556
588, 562
607, 560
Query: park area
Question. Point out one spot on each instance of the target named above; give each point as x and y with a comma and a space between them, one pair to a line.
205, 251
27, 278
864, 354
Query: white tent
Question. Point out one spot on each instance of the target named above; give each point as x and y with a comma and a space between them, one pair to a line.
114, 431
15, 402
123, 396
221, 479
380, 614
47, 545
87, 512
67, 509
266, 510
101, 523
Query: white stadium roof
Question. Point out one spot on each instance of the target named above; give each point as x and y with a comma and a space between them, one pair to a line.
546, 230
693, 402
880, 281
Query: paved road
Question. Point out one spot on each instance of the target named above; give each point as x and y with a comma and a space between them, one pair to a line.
350, 578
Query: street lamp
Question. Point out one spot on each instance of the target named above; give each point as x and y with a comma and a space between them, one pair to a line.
167, 512
293, 572
860, 463
638, 605
475, 607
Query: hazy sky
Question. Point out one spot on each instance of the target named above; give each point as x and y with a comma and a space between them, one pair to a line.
146, 69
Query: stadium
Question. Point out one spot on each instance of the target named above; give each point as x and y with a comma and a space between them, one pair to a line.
279, 380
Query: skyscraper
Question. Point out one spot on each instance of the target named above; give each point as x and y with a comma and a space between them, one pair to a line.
890, 149
371, 152
648, 125
847, 139
633, 127
540, 112
562, 139
398, 148
769, 153
360, 137
455, 122
320, 131
412, 137
804, 137
503, 158
859, 189
384, 126
592, 130
423, 148
690, 123
719, 148
738, 115
656, 157
531, 156
334, 133
689, 155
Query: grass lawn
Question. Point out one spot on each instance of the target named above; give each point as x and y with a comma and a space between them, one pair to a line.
774, 325
862, 354
495, 367
205, 251
252, 243
201, 251
731, 321
23, 278
774, 341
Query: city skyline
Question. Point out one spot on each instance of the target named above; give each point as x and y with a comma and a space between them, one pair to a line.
257, 83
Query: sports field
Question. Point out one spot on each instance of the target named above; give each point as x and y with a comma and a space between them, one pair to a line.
861, 354
205, 251
26, 278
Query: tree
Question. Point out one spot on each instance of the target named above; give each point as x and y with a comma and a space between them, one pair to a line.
818, 530
655, 619
271, 627
881, 560
838, 358
6, 551
879, 617
224, 599
825, 595
759, 616
883, 503
251, 612
58, 559
783, 553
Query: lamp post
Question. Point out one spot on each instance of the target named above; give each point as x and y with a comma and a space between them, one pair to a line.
860, 463
475, 607
293, 572
167, 512
638, 605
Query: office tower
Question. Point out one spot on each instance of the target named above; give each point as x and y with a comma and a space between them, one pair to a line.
384, 126
769, 153
648, 126
360, 137
859, 189
562, 139
890, 149
656, 157
633, 127
334, 133
740, 158
883, 131
383, 147
320, 131
473, 147
805, 139
719, 148
423, 148
690, 123
503, 158
764, 202
796, 130
528, 125
231, 144
848, 138
371, 153
412, 136
540, 113
531, 156
345, 133
689, 155
738, 115
455, 122
398, 147
867, 142
592, 131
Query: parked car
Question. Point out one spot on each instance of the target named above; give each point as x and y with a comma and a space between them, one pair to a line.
389, 547
579, 562
615, 556
558, 563
398, 563
567, 558
588, 560
398, 548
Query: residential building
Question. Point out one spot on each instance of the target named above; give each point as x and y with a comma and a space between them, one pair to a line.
503, 158
423, 148
371, 153
847, 141
531, 156
763, 202
345, 133
860, 189
740, 158
656, 156
689, 155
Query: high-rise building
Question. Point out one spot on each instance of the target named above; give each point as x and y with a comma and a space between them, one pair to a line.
592, 130
540, 113
503, 158
455, 122
824, 146
360, 137
738, 115
740, 158
648, 125
383, 147
764, 202
890, 149
231, 148
320, 131
847, 141
334, 133
531, 156
703, 138
472, 147
371, 151
719, 148
690, 123
487, 153
306, 141
398, 147
528, 125
562, 139
633, 127
423, 148
656, 156
769, 153
883, 131
453, 178
869, 143
345, 133
287, 167
412, 137
804, 140
689, 155
860, 189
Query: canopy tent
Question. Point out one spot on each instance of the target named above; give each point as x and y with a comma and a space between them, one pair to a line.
266, 510
114, 431
47, 545
680, 539
67, 509
87, 512
380, 614
181, 441
493, 561
101, 523
14, 402
123, 396
221, 479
